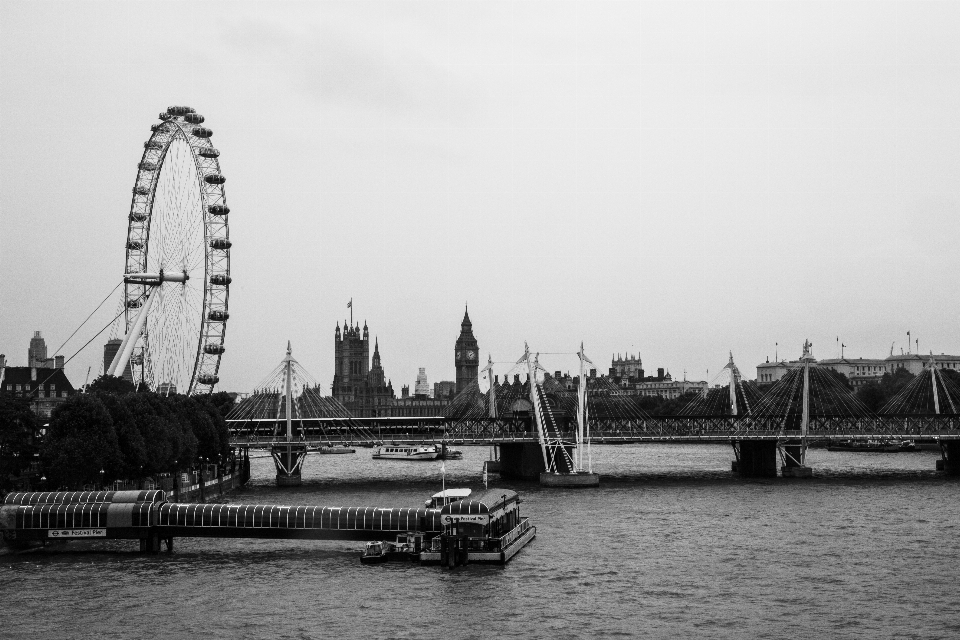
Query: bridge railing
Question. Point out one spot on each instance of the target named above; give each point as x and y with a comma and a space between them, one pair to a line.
661, 428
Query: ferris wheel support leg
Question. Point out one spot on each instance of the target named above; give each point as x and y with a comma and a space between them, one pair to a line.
129, 340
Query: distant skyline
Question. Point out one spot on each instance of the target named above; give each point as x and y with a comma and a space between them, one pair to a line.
675, 180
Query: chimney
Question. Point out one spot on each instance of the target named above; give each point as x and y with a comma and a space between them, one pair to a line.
496, 378
593, 373
557, 375
58, 362
3, 361
659, 373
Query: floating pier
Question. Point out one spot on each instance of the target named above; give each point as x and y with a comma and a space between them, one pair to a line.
488, 525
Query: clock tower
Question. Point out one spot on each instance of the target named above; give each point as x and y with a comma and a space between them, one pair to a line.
466, 354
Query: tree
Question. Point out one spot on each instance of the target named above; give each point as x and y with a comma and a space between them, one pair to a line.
877, 394
133, 448
18, 429
111, 384
80, 442
222, 400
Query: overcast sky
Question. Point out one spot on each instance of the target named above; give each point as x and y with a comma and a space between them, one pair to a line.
676, 180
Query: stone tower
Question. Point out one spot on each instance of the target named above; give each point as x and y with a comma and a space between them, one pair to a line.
351, 351
37, 353
465, 354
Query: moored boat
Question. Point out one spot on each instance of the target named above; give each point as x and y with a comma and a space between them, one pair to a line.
483, 528
374, 552
330, 449
873, 446
404, 452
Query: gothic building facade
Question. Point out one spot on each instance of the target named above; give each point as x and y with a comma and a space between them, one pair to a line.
359, 384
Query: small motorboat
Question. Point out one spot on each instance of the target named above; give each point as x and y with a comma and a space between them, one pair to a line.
375, 552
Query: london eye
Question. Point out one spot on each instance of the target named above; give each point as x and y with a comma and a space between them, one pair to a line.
177, 261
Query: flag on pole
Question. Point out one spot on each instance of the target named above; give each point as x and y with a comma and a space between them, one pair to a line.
350, 304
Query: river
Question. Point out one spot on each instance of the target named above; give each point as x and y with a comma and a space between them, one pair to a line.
671, 545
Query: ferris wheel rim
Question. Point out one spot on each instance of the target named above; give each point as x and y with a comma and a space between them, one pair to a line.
183, 125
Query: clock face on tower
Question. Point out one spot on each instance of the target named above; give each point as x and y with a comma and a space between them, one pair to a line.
459, 355
471, 355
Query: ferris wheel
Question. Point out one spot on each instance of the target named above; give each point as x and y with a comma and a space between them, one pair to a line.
177, 267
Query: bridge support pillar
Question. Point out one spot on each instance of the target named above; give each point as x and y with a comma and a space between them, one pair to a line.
950, 462
758, 459
521, 460
569, 479
794, 458
288, 457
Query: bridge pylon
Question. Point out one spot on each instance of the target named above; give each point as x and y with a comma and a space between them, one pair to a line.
289, 456
562, 461
794, 450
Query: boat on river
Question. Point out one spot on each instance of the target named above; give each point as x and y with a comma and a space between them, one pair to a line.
330, 449
404, 452
873, 446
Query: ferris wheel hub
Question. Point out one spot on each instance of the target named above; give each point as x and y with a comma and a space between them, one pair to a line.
155, 279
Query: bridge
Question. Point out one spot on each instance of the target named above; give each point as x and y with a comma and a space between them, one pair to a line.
808, 406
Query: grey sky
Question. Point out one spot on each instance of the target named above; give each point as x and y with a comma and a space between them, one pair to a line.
673, 179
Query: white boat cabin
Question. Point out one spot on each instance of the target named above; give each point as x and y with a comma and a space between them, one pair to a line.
443, 498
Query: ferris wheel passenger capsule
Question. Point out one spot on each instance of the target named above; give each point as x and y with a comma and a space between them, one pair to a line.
220, 243
218, 209
208, 379
193, 118
148, 166
138, 216
135, 245
214, 178
220, 279
202, 132
214, 349
179, 111
166, 116
141, 191
208, 152
218, 316
134, 304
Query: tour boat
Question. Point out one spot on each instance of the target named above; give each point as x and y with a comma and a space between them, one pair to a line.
403, 452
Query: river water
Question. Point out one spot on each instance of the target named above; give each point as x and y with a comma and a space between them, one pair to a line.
671, 545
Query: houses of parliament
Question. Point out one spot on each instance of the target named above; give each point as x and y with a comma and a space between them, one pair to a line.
360, 385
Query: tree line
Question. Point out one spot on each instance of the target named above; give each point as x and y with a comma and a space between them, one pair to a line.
112, 432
